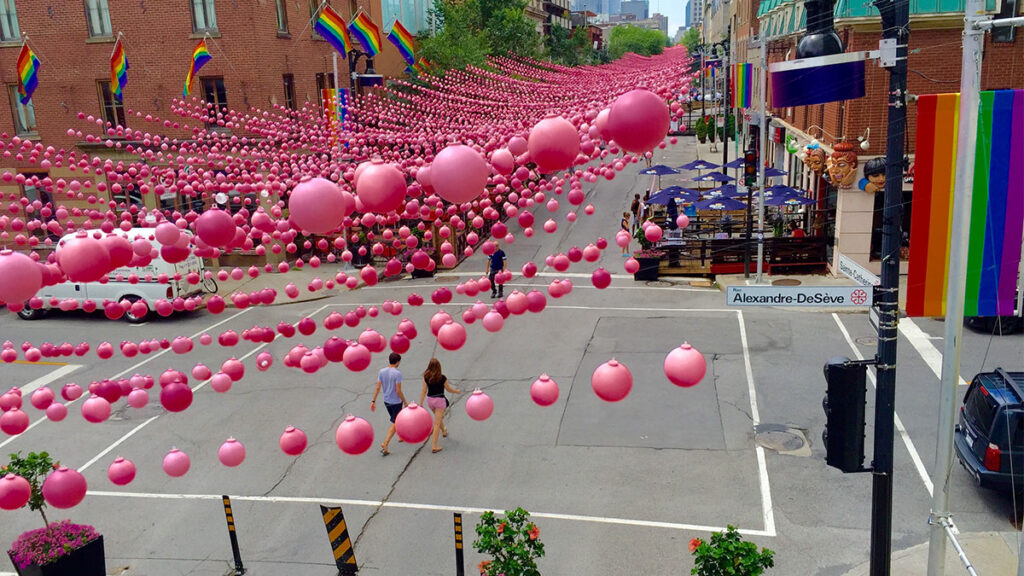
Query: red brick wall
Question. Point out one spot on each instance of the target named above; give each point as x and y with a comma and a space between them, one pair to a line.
249, 54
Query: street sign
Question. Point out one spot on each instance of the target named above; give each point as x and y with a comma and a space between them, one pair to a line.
857, 273
807, 296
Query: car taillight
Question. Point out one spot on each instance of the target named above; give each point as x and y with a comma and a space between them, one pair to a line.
992, 457
170, 291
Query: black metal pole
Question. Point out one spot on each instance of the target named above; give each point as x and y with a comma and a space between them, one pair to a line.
239, 568
725, 102
750, 231
895, 24
460, 563
703, 89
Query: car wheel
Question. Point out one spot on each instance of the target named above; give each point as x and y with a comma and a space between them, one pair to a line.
132, 318
27, 313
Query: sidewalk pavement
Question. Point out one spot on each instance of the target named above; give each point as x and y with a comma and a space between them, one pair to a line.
301, 277
990, 553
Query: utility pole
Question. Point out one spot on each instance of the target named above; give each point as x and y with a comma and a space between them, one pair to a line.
725, 98
895, 26
762, 153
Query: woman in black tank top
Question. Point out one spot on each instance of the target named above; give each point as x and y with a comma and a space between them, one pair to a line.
434, 385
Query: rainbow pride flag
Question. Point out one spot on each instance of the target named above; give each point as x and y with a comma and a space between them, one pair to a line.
332, 28
28, 77
741, 85
997, 205
200, 56
402, 40
366, 32
118, 71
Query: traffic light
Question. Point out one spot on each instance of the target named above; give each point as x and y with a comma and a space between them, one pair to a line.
843, 436
750, 167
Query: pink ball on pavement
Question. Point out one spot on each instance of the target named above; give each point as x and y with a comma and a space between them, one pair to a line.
685, 366
354, 435
414, 424
612, 381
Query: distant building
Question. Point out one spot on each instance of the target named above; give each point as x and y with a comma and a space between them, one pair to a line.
662, 22
597, 6
622, 18
694, 12
548, 13
638, 8
680, 32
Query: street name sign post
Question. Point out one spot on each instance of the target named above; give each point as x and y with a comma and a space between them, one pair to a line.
857, 273
805, 296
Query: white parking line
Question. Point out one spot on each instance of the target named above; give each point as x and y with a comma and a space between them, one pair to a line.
767, 511
922, 342
918, 463
44, 380
434, 507
575, 285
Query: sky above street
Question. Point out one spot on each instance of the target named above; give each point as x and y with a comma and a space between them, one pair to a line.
674, 9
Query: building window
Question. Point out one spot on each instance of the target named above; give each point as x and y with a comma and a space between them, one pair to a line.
216, 97
97, 14
323, 82
24, 114
8, 22
112, 110
204, 17
289, 91
282, 16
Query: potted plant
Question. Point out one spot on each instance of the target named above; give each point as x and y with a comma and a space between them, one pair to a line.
650, 261
726, 554
513, 542
701, 128
59, 548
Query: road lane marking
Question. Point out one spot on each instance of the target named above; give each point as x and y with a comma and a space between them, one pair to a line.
49, 377
918, 463
541, 285
116, 444
767, 511
431, 507
40, 363
922, 342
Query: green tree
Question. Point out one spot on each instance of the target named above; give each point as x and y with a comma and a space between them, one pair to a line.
467, 31
571, 48
625, 39
691, 39
509, 30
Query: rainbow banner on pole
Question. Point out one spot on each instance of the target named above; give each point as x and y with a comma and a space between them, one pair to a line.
742, 83
200, 56
118, 71
402, 40
332, 28
997, 205
28, 77
366, 32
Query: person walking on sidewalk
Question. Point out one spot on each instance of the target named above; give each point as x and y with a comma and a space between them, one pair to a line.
624, 224
434, 385
390, 381
497, 264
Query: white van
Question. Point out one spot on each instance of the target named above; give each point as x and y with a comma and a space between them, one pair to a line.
118, 290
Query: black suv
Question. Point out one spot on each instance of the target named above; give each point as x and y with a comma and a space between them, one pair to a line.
990, 435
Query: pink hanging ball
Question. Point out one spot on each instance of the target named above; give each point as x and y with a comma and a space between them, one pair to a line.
356, 357
554, 144
42, 398
544, 391
176, 463
20, 277
293, 441
84, 259
381, 188
612, 381
685, 366
459, 174
682, 221
479, 406
176, 397
64, 488
96, 409
220, 382
138, 398
414, 423
493, 321
601, 278
15, 492
355, 435
56, 412
653, 233
231, 453
502, 161
631, 265
319, 206
14, 422
452, 335
121, 471
215, 228
639, 120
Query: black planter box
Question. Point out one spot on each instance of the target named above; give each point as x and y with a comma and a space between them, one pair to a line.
648, 269
89, 560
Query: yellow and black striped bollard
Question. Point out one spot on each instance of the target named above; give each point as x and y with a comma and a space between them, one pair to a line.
239, 569
341, 545
460, 568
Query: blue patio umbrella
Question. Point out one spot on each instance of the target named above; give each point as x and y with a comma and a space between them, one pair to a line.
673, 193
699, 165
724, 191
737, 163
721, 204
714, 177
773, 172
773, 191
658, 170
788, 200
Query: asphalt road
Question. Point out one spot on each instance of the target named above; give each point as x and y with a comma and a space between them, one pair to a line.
615, 488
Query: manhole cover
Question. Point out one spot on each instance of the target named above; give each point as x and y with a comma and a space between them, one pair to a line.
782, 439
867, 341
786, 282
659, 283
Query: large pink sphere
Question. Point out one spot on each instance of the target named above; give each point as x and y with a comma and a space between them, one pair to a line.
639, 120
56, 412
176, 397
84, 259
381, 188
96, 409
414, 423
685, 366
121, 471
653, 233
15, 492
14, 422
293, 441
231, 453
493, 321
20, 277
215, 227
176, 463
502, 161
544, 391
452, 335
612, 381
554, 144
479, 406
356, 357
354, 435
459, 174
64, 488
319, 206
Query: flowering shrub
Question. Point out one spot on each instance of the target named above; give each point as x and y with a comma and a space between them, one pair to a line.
649, 253
45, 545
729, 555
513, 543
33, 468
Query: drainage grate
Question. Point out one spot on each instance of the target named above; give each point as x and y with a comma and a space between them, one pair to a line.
782, 439
786, 282
867, 341
659, 283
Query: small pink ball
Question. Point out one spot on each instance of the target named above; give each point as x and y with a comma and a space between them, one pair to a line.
293, 441
479, 406
544, 391
612, 381
231, 453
